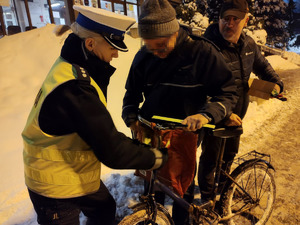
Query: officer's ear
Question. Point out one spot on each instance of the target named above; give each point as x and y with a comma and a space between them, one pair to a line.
89, 44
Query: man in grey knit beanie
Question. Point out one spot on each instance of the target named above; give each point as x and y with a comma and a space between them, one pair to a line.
173, 75
158, 27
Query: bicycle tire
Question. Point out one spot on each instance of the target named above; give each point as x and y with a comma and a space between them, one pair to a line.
139, 216
257, 179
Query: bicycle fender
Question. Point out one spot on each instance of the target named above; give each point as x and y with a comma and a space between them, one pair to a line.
253, 161
268, 164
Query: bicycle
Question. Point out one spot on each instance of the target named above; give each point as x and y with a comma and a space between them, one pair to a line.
247, 197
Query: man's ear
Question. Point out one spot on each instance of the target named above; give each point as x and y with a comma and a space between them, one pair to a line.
246, 21
89, 43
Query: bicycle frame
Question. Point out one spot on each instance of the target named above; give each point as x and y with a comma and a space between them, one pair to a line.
204, 211
152, 205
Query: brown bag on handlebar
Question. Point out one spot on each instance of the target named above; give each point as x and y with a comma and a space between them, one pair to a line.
178, 172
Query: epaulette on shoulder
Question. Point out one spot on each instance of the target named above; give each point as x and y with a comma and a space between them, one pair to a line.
82, 74
197, 37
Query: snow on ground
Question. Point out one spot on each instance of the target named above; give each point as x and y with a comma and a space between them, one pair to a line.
25, 60
294, 49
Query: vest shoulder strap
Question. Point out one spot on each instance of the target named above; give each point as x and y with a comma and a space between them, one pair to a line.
82, 74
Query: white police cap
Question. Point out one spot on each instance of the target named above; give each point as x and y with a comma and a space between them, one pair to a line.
110, 25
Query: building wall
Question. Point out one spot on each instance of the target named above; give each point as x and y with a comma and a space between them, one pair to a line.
59, 12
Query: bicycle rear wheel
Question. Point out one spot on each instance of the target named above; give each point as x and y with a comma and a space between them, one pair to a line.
140, 217
258, 181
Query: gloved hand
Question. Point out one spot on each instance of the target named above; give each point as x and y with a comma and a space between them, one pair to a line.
280, 96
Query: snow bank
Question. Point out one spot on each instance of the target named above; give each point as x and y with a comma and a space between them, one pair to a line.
278, 63
292, 57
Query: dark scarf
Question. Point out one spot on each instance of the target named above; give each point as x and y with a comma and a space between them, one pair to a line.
75, 52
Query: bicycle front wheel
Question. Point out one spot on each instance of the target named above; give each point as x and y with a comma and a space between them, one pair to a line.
140, 217
256, 206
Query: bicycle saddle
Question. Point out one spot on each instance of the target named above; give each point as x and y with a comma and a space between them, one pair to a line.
227, 132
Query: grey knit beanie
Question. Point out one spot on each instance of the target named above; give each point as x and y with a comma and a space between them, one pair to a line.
157, 19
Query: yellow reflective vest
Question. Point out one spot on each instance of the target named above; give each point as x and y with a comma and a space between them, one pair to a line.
59, 166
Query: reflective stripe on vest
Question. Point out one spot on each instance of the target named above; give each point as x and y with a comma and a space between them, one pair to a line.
58, 166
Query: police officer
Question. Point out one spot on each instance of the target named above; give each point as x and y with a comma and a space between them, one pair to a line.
69, 131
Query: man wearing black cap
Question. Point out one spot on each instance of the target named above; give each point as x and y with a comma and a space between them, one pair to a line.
174, 73
243, 57
69, 131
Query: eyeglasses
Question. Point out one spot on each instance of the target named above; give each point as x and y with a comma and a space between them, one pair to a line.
228, 19
163, 46
158, 50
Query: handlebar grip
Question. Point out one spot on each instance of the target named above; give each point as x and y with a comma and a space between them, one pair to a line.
178, 121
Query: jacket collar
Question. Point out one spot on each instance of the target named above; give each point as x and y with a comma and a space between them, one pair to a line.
75, 52
183, 34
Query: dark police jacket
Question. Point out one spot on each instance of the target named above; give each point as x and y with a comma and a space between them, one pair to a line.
75, 107
243, 58
181, 84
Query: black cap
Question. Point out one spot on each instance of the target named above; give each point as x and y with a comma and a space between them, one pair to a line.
237, 8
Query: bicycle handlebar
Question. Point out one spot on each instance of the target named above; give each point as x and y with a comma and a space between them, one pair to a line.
171, 124
168, 123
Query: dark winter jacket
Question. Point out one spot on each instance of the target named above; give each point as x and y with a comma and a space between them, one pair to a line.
75, 107
179, 85
243, 58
